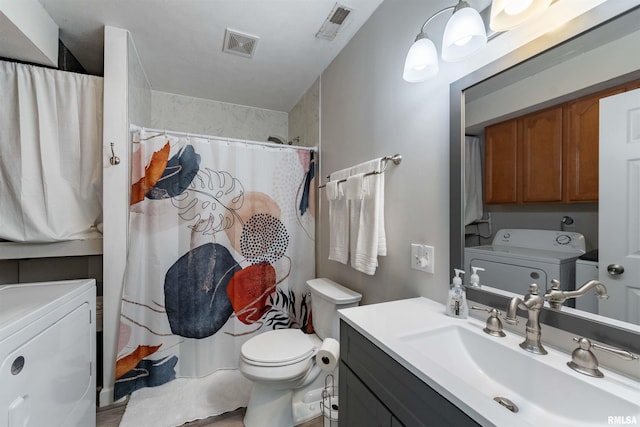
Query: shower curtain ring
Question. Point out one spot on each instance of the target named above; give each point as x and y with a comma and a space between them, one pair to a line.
114, 160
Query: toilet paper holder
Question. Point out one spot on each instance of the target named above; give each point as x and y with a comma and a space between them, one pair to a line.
329, 403
328, 355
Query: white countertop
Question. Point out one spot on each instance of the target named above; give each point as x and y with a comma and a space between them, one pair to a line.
385, 325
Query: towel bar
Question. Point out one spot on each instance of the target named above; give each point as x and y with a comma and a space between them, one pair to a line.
396, 159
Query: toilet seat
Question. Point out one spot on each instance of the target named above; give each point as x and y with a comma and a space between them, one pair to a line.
280, 347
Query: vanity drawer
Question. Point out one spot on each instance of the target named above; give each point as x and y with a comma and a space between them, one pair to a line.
408, 399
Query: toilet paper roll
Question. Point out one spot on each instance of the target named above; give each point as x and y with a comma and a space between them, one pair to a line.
328, 354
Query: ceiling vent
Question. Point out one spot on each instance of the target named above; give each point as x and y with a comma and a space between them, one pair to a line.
240, 43
336, 20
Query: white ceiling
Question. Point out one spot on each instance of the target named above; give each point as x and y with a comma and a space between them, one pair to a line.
180, 43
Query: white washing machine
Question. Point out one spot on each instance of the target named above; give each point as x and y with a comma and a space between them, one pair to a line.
517, 258
47, 354
587, 269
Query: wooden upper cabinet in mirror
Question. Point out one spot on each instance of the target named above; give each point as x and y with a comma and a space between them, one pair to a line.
581, 146
501, 159
548, 156
541, 156
523, 159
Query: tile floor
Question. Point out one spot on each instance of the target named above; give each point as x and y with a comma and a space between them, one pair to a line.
110, 417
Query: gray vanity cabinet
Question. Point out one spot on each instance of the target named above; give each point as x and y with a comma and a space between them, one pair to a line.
364, 408
375, 390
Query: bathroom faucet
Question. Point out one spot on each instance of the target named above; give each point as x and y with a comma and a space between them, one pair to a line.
533, 303
556, 297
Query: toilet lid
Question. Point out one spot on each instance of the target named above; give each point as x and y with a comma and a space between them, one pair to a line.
281, 346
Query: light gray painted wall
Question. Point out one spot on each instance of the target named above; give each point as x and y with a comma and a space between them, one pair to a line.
304, 118
139, 89
558, 81
207, 117
368, 111
542, 217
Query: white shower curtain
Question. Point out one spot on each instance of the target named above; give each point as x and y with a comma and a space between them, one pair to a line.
221, 246
50, 154
473, 179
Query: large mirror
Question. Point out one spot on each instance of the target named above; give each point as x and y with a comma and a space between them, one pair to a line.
543, 77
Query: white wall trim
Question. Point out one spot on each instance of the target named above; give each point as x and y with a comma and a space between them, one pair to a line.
115, 202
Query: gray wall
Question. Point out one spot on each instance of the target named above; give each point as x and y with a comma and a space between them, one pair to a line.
368, 111
556, 84
304, 118
541, 217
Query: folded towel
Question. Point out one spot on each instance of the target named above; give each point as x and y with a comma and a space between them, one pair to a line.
333, 190
354, 187
366, 220
339, 221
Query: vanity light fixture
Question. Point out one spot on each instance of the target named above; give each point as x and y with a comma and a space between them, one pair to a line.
507, 14
464, 34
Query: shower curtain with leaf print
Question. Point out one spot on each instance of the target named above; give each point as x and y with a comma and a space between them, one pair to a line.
221, 246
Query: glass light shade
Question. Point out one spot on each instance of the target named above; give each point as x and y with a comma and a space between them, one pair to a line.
463, 35
422, 61
508, 14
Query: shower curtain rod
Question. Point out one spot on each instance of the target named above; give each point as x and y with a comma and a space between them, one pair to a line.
135, 128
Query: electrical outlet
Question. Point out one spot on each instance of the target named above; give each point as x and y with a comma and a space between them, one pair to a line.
422, 257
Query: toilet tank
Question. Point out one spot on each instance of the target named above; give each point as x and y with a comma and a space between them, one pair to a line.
327, 297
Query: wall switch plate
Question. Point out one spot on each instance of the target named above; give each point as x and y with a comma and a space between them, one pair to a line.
422, 257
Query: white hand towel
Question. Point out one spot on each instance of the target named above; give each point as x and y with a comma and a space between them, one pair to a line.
339, 221
367, 233
354, 187
333, 190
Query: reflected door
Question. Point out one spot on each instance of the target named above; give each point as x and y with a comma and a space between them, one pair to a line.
619, 221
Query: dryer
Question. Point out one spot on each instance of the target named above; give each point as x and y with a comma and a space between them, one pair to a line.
47, 354
518, 257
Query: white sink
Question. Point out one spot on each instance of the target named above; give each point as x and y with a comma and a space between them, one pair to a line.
544, 389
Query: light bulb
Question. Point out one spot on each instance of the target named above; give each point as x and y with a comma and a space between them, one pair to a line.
463, 41
422, 61
463, 35
508, 14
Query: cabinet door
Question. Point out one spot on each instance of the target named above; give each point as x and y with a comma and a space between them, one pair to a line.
541, 156
501, 154
581, 123
359, 407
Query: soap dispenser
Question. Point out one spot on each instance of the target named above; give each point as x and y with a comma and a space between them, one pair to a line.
474, 282
457, 302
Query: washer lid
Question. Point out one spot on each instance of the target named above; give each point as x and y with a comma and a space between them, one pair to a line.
282, 346
542, 240
22, 304
508, 254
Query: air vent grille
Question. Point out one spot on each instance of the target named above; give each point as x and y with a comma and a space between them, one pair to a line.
240, 43
340, 15
336, 20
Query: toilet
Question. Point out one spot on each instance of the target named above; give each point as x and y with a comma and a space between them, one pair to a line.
287, 384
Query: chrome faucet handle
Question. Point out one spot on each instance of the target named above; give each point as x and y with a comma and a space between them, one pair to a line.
511, 317
584, 361
555, 296
494, 325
